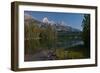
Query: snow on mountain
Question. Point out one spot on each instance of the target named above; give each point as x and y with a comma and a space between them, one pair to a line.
45, 22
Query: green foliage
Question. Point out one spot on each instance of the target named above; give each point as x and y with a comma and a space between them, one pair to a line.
69, 54
51, 36
86, 32
60, 53
31, 37
75, 55
37, 37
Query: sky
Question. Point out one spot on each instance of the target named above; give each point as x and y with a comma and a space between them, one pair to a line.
71, 19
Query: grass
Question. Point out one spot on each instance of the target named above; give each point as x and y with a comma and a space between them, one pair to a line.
76, 52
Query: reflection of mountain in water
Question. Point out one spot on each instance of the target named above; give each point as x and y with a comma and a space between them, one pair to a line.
66, 35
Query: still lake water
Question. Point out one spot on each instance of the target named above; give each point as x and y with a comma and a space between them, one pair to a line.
68, 44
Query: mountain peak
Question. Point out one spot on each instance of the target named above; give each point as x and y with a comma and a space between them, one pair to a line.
45, 20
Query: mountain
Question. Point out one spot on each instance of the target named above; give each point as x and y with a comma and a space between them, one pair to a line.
60, 27
45, 22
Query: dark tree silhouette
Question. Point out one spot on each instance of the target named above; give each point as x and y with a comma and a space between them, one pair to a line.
86, 33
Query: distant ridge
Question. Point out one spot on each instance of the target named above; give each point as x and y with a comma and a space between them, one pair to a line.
58, 26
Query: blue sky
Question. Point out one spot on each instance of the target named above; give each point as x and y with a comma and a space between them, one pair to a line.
71, 19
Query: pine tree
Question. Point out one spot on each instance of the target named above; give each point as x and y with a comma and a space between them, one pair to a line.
86, 32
